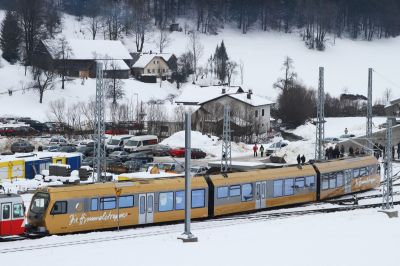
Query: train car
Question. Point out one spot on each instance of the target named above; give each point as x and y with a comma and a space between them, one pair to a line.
88, 207
248, 191
340, 177
11, 215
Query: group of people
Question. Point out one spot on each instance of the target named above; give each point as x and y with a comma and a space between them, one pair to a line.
301, 160
255, 150
334, 153
380, 151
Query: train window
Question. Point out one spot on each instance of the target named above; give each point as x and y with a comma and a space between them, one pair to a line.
300, 182
166, 201
339, 179
310, 181
6, 212
247, 192
222, 192
356, 173
278, 188
60, 207
288, 187
142, 205
363, 172
198, 198
18, 210
150, 199
332, 180
234, 191
325, 182
94, 204
125, 202
180, 200
108, 203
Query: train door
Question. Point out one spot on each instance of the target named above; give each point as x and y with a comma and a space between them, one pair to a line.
146, 208
261, 193
6, 219
347, 181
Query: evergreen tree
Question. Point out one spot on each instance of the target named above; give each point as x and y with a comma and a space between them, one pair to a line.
221, 58
10, 38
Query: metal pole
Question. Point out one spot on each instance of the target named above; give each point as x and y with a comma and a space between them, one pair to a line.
187, 236
99, 148
387, 188
320, 122
226, 156
369, 114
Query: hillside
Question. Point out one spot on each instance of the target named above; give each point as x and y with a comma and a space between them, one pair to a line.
346, 63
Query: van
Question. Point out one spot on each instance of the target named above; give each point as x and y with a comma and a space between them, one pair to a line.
141, 143
115, 143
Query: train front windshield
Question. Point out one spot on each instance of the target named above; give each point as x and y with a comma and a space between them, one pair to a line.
40, 201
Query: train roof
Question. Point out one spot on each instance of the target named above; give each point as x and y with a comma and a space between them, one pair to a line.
9, 195
262, 175
140, 185
348, 163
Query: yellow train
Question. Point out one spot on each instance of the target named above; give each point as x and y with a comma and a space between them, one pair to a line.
78, 208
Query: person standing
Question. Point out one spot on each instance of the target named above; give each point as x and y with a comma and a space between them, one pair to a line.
255, 149
398, 150
346, 131
298, 159
303, 159
262, 150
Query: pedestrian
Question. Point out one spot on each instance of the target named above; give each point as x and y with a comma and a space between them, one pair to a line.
298, 159
351, 151
342, 151
255, 149
357, 152
362, 152
262, 150
336, 152
303, 159
398, 150
326, 154
346, 131
393, 153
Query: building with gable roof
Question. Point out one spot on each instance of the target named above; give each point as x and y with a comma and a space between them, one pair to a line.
150, 66
81, 56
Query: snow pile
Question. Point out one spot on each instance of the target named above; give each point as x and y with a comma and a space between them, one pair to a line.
209, 144
24, 185
335, 126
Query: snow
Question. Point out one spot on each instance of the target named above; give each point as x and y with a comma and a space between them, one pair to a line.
209, 144
254, 100
144, 60
194, 94
90, 49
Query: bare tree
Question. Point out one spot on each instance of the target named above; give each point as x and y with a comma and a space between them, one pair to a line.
63, 53
230, 70
140, 25
162, 40
57, 111
387, 95
113, 83
93, 25
43, 80
196, 48
241, 71
290, 76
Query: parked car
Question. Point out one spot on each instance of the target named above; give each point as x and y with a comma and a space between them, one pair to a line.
331, 140
87, 151
195, 153
67, 149
123, 155
58, 141
347, 136
22, 146
117, 142
141, 156
141, 143
88, 161
132, 166
161, 150
198, 170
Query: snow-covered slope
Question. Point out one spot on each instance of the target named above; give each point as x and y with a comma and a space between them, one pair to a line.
346, 63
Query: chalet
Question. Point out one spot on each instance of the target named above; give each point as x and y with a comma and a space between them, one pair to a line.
250, 113
81, 56
147, 67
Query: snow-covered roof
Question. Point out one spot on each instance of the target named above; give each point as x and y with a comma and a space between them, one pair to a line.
199, 95
167, 56
118, 65
90, 49
145, 59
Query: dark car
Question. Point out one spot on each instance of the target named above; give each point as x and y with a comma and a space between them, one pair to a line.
88, 161
22, 146
123, 155
87, 151
67, 149
177, 152
132, 166
161, 150
141, 156
198, 154
195, 153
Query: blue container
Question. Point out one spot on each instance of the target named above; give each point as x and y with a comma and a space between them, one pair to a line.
74, 162
35, 166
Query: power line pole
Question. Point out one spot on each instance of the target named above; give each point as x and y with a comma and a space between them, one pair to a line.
226, 158
368, 134
99, 131
187, 236
387, 188
320, 122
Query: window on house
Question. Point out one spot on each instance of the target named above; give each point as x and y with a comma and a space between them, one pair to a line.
262, 112
148, 71
256, 113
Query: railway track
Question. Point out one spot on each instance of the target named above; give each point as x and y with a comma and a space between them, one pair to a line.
197, 225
